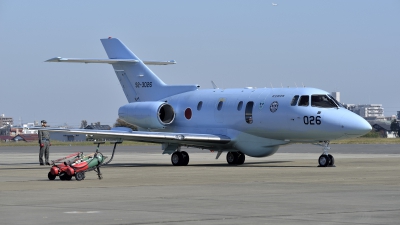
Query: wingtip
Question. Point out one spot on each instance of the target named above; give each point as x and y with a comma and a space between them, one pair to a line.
55, 59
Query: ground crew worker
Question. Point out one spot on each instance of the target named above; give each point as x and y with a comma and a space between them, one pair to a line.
44, 142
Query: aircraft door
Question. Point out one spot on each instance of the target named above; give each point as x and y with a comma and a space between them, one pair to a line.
249, 112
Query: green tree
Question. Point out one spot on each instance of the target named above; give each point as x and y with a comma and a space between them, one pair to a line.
121, 123
394, 127
372, 134
83, 124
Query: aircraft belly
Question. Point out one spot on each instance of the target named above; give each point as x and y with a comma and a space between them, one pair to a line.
253, 145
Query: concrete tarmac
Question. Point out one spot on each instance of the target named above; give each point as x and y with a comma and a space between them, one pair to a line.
142, 187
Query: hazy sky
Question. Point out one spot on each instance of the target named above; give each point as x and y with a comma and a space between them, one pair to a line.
348, 46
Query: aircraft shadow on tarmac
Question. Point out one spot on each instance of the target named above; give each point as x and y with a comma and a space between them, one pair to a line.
15, 167
249, 164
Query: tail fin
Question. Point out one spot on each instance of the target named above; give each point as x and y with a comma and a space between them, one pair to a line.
137, 80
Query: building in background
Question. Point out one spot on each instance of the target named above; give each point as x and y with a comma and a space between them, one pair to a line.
5, 130
67, 137
336, 95
26, 137
6, 120
368, 111
383, 127
97, 126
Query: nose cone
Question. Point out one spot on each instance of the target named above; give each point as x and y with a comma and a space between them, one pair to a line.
355, 125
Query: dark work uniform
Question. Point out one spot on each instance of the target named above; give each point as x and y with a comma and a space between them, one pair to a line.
44, 138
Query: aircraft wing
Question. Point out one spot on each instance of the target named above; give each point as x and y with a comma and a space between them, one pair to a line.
110, 61
188, 139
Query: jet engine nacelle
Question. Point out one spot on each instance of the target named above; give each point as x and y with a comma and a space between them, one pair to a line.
148, 115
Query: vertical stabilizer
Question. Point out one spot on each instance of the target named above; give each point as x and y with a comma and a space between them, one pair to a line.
138, 82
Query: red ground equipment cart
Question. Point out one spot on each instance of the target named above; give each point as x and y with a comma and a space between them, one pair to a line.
77, 164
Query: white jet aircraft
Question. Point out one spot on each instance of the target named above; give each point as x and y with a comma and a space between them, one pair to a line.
247, 121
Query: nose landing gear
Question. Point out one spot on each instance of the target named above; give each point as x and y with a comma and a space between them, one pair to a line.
326, 159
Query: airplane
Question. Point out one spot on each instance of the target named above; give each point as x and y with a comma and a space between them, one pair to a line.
274, 4
243, 122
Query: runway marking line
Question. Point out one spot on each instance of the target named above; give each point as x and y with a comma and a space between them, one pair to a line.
81, 212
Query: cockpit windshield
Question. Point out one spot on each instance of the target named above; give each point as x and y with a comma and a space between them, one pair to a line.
322, 101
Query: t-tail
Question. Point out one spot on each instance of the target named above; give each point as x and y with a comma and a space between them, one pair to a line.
138, 82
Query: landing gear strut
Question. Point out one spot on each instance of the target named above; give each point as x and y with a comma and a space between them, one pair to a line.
326, 159
235, 158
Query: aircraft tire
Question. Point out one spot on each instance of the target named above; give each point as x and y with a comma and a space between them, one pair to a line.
232, 158
241, 158
80, 176
185, 157
51, 176
331, 160
323, 161
177, 159
67, 177
63, 176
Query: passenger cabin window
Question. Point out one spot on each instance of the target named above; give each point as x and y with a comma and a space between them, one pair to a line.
294, 100
219, 107
304, 100
199, 105
322, 101
249, 112
240, 105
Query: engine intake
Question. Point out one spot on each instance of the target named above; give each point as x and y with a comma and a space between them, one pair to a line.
148, 115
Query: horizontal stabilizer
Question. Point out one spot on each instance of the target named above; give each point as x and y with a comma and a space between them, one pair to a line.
110, 61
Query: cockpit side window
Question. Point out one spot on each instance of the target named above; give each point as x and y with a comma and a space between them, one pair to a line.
336, 101
294, 100
304, 100
322, 101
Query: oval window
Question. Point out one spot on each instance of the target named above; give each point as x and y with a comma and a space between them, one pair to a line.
240, 105
219, 107
199, 105
188, 113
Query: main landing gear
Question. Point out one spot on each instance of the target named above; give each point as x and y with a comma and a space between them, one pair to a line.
180, 158
235, 158
326, 159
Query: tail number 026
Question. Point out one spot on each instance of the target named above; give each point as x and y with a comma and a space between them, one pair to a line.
312, 120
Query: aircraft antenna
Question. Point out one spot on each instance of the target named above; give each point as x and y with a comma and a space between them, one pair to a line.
271, 85
214, 86
303, 84
295, 84
281, 85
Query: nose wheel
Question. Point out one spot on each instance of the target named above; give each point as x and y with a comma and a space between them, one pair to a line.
326, 159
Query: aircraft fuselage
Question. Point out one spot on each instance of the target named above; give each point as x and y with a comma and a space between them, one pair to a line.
259, 120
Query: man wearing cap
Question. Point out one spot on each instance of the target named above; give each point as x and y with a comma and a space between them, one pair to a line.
44, 142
